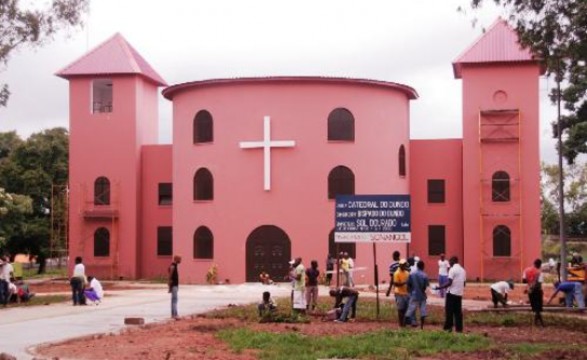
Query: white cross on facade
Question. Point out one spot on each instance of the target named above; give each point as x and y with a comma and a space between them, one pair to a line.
266, 144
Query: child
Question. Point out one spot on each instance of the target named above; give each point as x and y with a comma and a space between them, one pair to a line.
267, 306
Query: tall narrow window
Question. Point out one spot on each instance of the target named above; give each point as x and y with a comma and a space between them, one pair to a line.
102, 191
102, 242
402, 161
203, 185
435, 191
502, 241
102, 96
341, 181
164, 241
203, 243
203, 127
500, 187
436, 240
341, 125
165, 194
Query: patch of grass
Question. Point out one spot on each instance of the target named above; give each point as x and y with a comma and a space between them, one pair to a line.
42, 300
384, 344
32, 273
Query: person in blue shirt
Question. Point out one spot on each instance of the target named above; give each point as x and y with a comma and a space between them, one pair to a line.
571, 290
417, 284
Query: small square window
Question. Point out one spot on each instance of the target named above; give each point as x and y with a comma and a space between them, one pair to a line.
436, 191
165, 194
436, 240
102, 96
164, 241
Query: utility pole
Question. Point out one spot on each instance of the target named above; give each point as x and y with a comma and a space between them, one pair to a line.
561, 185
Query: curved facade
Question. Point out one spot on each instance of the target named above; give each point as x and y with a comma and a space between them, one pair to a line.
296, 200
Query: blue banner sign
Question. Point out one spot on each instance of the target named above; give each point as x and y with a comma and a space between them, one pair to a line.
372, 218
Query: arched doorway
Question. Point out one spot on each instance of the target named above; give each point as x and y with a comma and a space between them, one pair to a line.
268, 249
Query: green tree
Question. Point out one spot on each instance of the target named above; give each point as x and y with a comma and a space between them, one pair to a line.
32, 169
13, 208
556, 32
25, 25
575, 195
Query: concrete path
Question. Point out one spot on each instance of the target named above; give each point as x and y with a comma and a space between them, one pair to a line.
23, 328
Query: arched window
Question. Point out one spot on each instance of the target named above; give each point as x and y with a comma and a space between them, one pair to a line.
500, 187
203, 243
350, 248
203, 127
101, 242
502, 241
341, 125
341, 181
102, 191
203, 185
402, 161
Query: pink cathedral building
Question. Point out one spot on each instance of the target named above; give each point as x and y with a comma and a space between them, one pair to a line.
250, 178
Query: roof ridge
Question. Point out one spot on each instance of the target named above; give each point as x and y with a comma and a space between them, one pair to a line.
87, 54
479, 38
130, 55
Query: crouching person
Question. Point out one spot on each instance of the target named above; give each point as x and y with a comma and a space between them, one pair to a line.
350, 296
267, 306
499, 292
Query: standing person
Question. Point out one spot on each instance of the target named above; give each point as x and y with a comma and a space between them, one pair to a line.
400, 290
330, 261
350, 305
299, 299
533, 277
571, 289
78, 281
417, 283
3, 285
95, 292
173, 283
453, 305
6, 273
443, 267
351, 279
312, 285
392, 269
499, 292
345, 267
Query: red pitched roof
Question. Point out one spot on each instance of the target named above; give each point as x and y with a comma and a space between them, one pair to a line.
499, 44
113, 56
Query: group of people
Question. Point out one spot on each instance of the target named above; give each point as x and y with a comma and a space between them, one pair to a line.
11, 289
409, 282
84, 289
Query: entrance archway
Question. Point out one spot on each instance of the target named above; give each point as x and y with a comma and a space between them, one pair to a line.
268, 249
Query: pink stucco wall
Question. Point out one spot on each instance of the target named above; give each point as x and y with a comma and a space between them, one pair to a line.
109, 144
436, 159
520, 159
156, 169
297, 202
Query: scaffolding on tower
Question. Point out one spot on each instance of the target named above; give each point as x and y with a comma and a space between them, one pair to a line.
500, 195
100, 215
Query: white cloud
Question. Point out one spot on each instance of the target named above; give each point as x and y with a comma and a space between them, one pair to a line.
411, 42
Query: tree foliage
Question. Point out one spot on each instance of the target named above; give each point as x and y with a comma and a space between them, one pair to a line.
31, 168
13, 208
575, 196
556, 32
20, 26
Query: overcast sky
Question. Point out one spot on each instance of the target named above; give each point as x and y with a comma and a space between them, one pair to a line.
410, 41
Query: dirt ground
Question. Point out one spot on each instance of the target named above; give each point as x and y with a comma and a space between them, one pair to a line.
193, 337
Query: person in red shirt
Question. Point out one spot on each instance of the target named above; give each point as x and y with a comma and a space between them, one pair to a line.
533, 277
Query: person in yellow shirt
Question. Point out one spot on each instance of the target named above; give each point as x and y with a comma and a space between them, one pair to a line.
402, 297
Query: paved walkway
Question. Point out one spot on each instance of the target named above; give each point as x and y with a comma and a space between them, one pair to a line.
23, 328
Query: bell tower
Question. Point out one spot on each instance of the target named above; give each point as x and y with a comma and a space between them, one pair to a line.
113, 112
501, 161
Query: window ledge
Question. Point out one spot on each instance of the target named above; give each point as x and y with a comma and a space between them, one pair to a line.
203, 201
